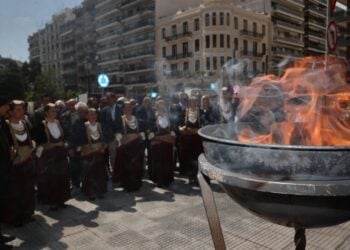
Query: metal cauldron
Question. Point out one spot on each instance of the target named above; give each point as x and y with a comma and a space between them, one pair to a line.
295, 186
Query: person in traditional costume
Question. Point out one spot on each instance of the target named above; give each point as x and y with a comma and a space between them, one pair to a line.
190, 143
20, 208
130, 153
228, 105
7, 154
52, 164
208, 114
162, 148
94, 178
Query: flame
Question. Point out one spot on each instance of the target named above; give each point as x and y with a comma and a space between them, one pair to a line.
308, 105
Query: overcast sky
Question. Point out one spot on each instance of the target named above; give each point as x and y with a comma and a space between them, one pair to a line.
21, 18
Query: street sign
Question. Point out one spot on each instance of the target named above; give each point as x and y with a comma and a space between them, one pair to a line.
332, 4
332, 35
103, 80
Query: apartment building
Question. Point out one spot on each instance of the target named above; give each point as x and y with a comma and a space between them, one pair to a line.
125, 44
65, 45
193, 45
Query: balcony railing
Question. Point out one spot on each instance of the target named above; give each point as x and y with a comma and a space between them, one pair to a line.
137, 54
137, 25
290, 25
251, 53
289, 11
289, 40
245, 32
178, 36
179, 56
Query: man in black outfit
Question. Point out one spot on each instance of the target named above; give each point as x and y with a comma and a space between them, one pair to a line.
7, 154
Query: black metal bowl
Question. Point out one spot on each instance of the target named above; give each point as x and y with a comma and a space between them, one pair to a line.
296, 186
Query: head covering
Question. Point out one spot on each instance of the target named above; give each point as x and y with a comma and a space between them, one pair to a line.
4, 100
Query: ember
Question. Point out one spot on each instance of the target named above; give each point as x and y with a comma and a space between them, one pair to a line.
308, 105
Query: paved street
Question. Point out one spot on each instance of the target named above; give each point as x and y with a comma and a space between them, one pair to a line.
156, 218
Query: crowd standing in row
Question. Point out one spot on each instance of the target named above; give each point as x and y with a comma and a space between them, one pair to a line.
70, 145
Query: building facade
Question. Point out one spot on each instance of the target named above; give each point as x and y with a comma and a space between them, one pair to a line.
125, 44
193, 45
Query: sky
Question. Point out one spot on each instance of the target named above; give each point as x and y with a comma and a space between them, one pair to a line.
21, 18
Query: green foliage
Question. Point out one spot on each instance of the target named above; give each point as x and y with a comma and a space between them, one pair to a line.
11, 83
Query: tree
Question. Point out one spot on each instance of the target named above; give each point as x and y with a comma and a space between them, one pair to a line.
11, 82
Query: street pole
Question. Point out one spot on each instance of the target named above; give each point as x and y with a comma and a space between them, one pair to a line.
326, 47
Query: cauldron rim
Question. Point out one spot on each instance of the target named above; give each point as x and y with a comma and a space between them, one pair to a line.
203, 132
284, 187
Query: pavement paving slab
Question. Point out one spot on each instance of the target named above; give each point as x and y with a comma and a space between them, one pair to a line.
161, 218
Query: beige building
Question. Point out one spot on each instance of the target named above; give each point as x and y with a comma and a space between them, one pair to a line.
192, 45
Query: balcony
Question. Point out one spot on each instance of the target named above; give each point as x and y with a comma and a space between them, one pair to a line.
284, 11
247, 53
140, 24
342, 16
316, 11
178, 36
107, 23
137, 70
316, 35
139, 54
316, 24
254, 34
289, 40
289, 26
179, 56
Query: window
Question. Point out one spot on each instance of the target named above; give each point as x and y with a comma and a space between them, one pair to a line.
228, 19
163, 33
173, 30
222, 43
263, 67
222, 18
196, 24
255, 29
207, 63
255, 48
222, 61
229, 58
186, 66
185, 49
174, 50
164, 51
214, 41
196, 45
245, 45
197, 66
207, 41
263, 29
214, 18
254, 67
263, 49
207, 19
228, 41
173, 68
185, 27
236, 43
215, 63
235, 22
245, 69
245, 24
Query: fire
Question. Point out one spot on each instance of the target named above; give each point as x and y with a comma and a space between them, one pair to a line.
308, 105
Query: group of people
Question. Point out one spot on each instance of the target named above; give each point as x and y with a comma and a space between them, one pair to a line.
70, 145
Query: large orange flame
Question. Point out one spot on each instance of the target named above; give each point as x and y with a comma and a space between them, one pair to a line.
308, 105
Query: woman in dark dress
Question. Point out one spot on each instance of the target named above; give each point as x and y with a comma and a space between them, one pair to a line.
130, 153
52, 163
162, 148
20, 208
190, 143
94, 181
